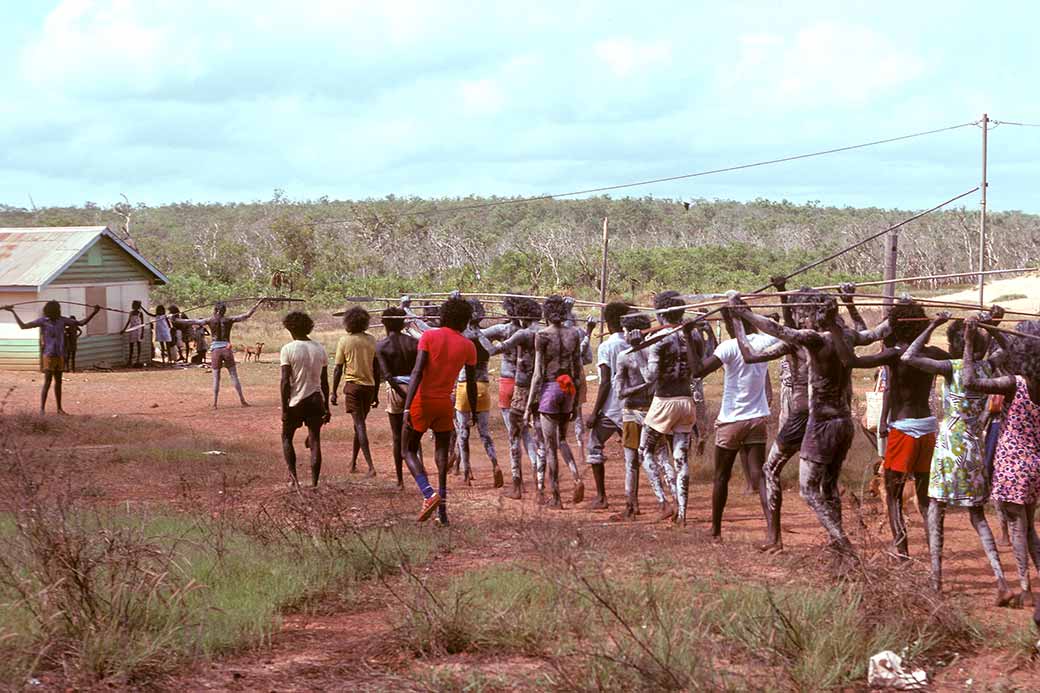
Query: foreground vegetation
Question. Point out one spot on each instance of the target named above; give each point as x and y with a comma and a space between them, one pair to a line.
408, 245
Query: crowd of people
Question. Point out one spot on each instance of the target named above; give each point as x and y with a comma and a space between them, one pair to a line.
982, 447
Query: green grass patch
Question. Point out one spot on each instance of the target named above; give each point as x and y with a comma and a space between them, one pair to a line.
657, 632
124, 596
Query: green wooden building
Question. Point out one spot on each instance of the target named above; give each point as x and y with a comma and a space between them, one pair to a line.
81, 264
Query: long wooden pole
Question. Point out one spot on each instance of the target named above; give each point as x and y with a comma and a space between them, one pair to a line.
982, 216
603, 281
891, 261
927, 277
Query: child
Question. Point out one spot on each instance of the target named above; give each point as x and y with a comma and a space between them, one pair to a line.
135, 328
53, 328
163, 330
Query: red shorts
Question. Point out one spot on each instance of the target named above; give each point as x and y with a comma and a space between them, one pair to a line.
505, 392
904, 453
438, 414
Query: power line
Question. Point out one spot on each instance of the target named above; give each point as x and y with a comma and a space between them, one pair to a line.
667, 179
1011, 122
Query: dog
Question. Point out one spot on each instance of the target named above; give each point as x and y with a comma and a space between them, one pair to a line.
255, 351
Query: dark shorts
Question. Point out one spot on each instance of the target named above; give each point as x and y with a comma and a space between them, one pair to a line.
827, 441
791, 434
358, 398
223, 357
52, 364
554, 400
310, 412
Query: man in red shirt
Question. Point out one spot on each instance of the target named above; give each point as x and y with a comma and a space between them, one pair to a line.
442, 353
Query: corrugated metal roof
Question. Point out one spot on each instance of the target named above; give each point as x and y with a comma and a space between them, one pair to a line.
32, 257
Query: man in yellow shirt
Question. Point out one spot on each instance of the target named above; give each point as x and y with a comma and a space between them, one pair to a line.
357, 366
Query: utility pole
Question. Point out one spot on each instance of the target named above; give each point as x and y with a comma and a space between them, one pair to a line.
982, 216
891, 264
603, 281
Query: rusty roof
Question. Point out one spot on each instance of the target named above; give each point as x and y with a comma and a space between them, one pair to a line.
33, 257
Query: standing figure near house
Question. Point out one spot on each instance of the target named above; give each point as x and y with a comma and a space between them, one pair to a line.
52, 359
221, 354
134, 328
163, 333
72, 334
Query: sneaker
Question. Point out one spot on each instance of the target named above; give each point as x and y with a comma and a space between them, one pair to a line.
428, 506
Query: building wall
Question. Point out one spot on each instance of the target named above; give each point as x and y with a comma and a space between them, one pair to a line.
101, 343
103, 263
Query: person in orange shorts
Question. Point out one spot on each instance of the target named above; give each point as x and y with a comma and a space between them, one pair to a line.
907, 422
442, 353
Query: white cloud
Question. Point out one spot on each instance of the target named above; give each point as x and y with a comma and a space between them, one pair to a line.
482, 97
823, 63
625, 56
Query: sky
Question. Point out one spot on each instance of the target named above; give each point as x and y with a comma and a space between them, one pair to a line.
228, 101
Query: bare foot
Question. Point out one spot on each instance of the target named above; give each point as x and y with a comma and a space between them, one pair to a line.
1004, 597
716, 538
371, 473
499, 482
61, 412
771, 547
598, 503
579, 492
554, 502
516, 492
246, 404
353, 469
1027, 598
665, 512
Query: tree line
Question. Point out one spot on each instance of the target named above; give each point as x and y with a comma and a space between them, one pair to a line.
394, 245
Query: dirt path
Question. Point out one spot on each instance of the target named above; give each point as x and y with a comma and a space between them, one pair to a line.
146, 434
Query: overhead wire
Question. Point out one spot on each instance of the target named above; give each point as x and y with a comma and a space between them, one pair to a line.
666, 179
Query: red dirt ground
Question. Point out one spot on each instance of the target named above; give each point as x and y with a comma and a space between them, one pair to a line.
143, 432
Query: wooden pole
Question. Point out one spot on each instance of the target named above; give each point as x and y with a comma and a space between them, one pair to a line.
982, 216
603, 281
891, 262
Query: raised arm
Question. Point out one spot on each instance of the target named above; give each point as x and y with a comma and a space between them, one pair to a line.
701, 361
847, 290
850, 359
1001, 385
913, 355
780, 284
23, 325
249, 313
90, 317
806, 338
417, 322
752, 355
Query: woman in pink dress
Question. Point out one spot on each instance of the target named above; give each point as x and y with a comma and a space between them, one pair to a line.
1016, 467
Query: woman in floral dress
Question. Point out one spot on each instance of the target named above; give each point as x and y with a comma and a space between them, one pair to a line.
958, 476
1016, 466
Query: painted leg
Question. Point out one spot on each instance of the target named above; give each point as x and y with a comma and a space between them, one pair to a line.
818, 484
923, 501
681, 455
631, 483
648, 443
538, 461
936, 519
516, 462
462, 432
977, 515
233, 372
483, 428
551, 433
1017, 518
772, 469
216, 386
894, 482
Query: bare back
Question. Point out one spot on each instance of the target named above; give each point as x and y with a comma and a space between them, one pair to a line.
397, 353
668, 358
560, 348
